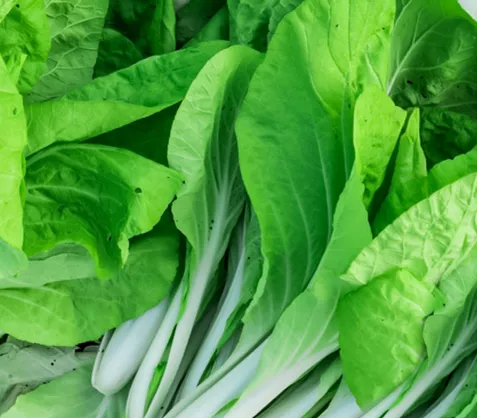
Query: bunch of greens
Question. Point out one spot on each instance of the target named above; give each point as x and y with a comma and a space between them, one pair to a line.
239, 209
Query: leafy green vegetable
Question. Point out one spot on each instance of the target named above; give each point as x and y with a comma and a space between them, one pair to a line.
118, 99
24, 367
115, 52
82, 308
70, 395
12, 144
116, 196
25, 42
401, 246
75, 34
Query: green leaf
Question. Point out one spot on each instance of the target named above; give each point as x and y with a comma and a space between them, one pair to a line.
150, 24
434, 57
382, 323
12, 144
115, 52
310, 322
409, 181
81, 308
403, 245
25, 42
24, 367
194, 17
375, 137
446, 134
118, 99
95, 196
158, 36
304, 143
75, 34
148, 137
71, 395
216, 28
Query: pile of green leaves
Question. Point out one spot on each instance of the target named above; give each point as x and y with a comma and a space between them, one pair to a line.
239, 209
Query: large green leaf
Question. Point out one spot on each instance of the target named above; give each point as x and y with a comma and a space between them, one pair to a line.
83, 308
95, 196
75, 34
310, 321
434, 56
403, 245
24, 367
296, 154
69, 396
118, 99
12, 144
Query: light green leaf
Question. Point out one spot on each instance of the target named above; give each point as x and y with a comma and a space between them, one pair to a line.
434, 57
25, 42
380, 321
448, 214
5, 8
409, 182
12, 144
69, 396
118, 99
304, 144
95, 196
80, 308
375, 137
115, 52
75, 28
24, 367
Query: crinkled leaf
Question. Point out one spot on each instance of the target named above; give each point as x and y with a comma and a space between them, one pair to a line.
75, 34
434, 56
447, 214
95, 196
25, 42
446, 134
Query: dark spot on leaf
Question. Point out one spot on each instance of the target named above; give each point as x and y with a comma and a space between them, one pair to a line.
337, 25
110, 238
138, 190
409, 82
52, 364
14, 111
18, 6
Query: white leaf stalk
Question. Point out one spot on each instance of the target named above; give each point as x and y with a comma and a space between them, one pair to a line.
227, 305
301, 398
122, 351
224, 391
137, 400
